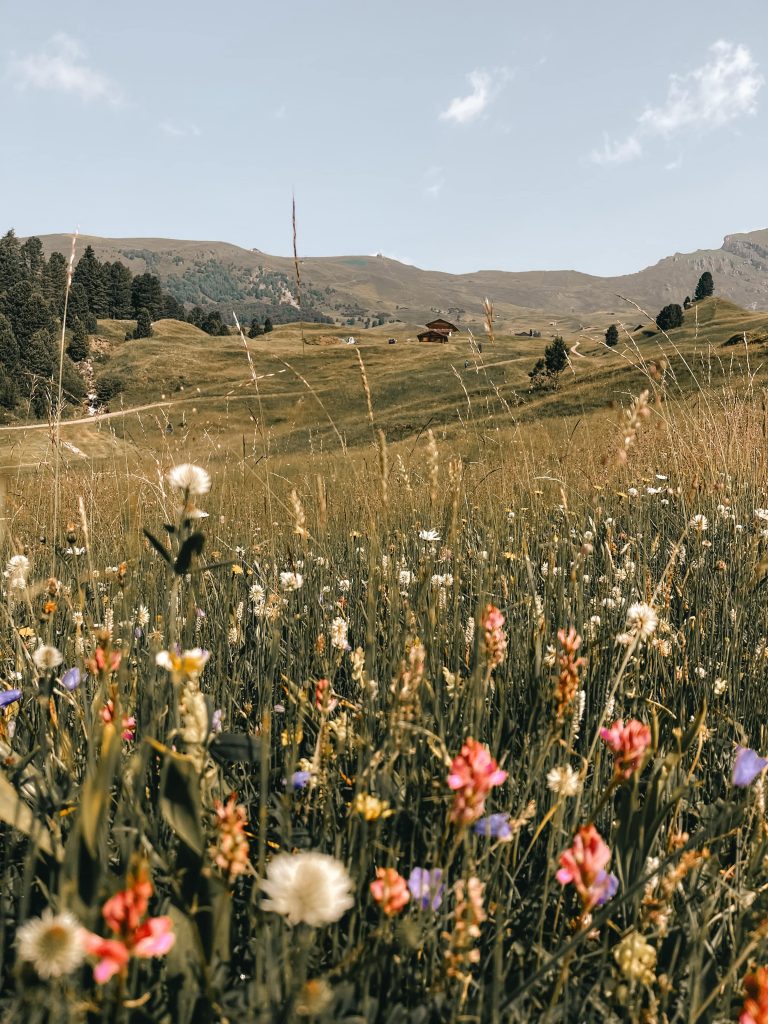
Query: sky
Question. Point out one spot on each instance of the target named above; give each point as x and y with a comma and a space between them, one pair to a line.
597, 136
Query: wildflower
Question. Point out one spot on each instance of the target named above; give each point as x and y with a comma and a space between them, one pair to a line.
9, 697
699, 522
473, 775
310, 888
567, 685
721, 685
291, 581
136, 935
426, 887
629, 743
494, 826
183, 665
230, 852
16, 572
390, 890
128, 725
103, 661
747, 766
52, 943
300, 779
71, 679
563, 780
370, 807
404, 579
584, 864
641, 620
315, 997
47, 658
755, 1008
468, 916
636, 958
429, 535
339, 629
193, 480
494, 639
323, 699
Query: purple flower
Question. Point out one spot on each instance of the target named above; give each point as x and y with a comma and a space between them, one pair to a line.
604, 888
218, 714
426, 888
494, 826
71, 679
300, 779
8, 697
747, 766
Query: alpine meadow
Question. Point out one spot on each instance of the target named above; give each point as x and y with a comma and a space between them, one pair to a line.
383, 645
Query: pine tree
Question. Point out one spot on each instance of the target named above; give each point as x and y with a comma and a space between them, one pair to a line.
143, 324
267, 325
556, 357
9, 346
12, 270
39, 356
146, 293
79, 347
705, 287
55, 282
88, 273
9, 394
34, 260
669, 317
612, 336
254, 331
27, 310
119, 290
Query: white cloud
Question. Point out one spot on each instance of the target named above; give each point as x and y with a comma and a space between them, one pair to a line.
617, 152
434, 180
721, 90
61, 67
462, 109
180, 131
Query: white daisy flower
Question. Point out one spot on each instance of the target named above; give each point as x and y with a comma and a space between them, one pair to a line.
51, 943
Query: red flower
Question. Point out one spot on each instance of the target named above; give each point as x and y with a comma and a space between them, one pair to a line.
584, 865
755, 1008
629, 743
473, 775
390, 890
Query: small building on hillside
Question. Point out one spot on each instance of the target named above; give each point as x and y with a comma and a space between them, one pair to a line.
438, 331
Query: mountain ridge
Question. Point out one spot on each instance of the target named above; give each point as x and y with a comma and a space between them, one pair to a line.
354, 288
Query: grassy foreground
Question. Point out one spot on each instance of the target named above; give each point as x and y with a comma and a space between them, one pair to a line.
389, 739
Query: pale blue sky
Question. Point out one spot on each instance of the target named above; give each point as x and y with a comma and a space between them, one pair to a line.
597, 136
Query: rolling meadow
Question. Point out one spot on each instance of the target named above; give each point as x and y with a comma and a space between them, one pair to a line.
358, 683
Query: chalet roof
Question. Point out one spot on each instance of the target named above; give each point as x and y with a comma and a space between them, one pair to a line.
433, 333
442, 325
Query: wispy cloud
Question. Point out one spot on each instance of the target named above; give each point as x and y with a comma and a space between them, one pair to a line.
485, 86
434, 180
180, 131
61, 66
722, 90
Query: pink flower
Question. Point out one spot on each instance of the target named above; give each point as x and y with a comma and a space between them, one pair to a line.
390, 890
584, 865
629, 743
473, 775
128, 724
495, 639
123, 914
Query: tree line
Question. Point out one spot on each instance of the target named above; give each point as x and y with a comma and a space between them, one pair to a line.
672, 315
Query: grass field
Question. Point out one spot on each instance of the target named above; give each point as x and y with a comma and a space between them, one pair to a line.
434, 715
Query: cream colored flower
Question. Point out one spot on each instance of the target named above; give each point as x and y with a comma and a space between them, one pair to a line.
193, 480
291, 581
339, 629
184, 665
309, 888
563, 780
47, 658
636, 958
370, 807
641, 620
51, 943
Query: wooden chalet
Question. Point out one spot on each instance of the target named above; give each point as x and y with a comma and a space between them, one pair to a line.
438, 331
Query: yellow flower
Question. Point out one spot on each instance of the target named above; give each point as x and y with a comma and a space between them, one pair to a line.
183, 664
237, 570
371, 807
636, 958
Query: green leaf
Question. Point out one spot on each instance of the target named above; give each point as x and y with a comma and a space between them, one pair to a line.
97, 789
192, 546
180, 799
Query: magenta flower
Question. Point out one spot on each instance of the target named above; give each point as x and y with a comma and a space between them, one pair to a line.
583, 864
629, 743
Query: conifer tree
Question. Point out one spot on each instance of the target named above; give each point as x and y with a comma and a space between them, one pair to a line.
705, 287
612, 336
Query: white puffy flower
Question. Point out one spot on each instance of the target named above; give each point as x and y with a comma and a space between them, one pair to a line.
16, 571
339, 633
194, 480
699, 522
309, 888
563, 780
721, 685
404, 578
344, 586
641, 620
51, 943
291, 580
47, 658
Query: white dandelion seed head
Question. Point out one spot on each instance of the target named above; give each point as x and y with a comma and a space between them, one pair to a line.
47, 658
563, 780
641, 620
194, 480
309, 888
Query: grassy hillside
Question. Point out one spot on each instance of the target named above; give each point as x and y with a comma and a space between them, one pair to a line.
301, 389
